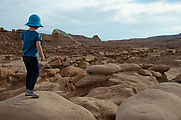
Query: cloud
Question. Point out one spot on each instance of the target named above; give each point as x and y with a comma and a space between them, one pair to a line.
126, 17
176, 28
125, 11
133, 12
78, 4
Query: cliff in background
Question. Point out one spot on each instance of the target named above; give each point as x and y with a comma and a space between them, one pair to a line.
10, 40
164, 41
57, 41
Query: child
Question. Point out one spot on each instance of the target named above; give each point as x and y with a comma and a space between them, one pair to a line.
31, 50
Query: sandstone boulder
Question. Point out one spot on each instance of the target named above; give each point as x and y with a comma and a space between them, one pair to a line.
11, 77
123, 85
52, 72
71, 71
160, 68
113, 65
146, 66
4, 73
106, 69
83, 64
129, 67
163, 78
47, 86
55, 63
2, 89
114, 93
69, 62
89, 58
157, 75
78, 77
90, 79
11, 93
144, 72
17, 79
101, 109
55, 78
177, 78
162, 102
50, 106
132, 79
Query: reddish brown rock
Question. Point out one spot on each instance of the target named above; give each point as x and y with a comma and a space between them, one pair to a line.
71, 71
61, 38
102, 69
114, 93
101, 109
123, 85
90, 79
82, 40
11, 93
83, 64
163, 78
129, 67
89, 58
144, 72
160, 68
69, 62
162, 102
78, 77
177, 78
56, 108
52, 72
133, 80
146, 66
48, 86
55, 63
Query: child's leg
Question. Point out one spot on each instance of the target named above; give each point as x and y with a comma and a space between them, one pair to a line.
35, 72
27, 61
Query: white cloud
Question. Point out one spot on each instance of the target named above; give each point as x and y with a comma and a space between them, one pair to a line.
124, 11
176, 28
73, 13
133, 12
78, 4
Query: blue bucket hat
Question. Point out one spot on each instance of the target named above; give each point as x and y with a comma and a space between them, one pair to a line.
34, 20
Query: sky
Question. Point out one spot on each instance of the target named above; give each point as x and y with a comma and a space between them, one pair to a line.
109, 19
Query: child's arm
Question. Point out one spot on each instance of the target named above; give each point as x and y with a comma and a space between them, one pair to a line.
38, 45
22, 42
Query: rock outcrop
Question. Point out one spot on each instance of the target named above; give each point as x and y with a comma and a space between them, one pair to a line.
61, 38
101, 109
161, 102
49, 106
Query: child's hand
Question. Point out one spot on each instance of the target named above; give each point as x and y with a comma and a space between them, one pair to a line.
43, 59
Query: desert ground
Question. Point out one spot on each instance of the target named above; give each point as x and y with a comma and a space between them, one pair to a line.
89, 79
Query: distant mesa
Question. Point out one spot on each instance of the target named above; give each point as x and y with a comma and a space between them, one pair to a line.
58, 37
64, 38
61, 38
62, 33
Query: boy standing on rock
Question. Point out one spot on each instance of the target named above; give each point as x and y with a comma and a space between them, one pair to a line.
31, 50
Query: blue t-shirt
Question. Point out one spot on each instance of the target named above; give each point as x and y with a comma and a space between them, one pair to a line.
29, 44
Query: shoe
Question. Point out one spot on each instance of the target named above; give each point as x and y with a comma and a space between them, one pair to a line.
33, 94
27, 93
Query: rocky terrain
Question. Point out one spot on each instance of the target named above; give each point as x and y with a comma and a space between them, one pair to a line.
86, 78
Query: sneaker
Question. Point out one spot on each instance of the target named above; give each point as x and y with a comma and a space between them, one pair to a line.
27, 93
33, 94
